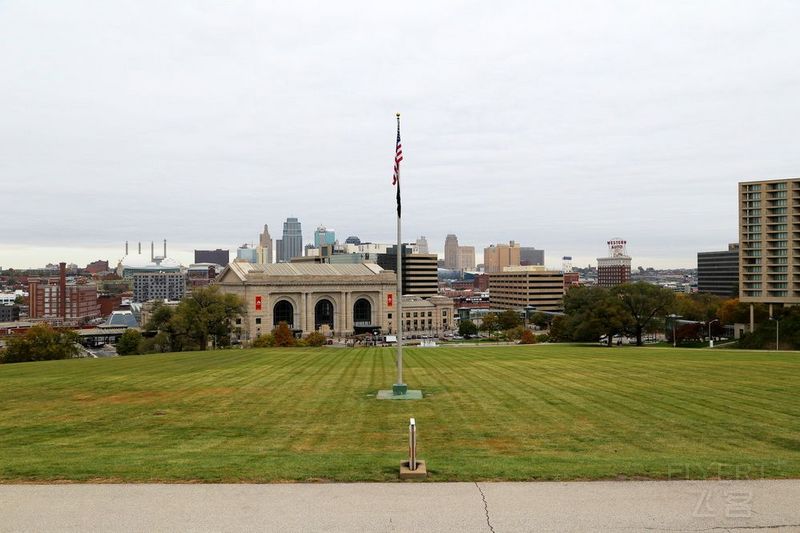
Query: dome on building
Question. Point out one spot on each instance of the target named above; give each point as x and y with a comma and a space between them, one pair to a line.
135, 261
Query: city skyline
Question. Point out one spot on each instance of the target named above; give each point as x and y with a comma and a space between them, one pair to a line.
557, 127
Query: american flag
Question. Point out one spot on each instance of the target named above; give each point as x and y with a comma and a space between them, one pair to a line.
398, 156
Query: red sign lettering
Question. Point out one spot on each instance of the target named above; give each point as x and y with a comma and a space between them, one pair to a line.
258, 303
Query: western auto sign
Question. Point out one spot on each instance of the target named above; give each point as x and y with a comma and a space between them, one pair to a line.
389, 299
258, 303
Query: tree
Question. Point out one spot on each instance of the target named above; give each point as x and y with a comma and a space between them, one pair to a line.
283, 336
527, 337
205, 313
41, 343
590, 313
540, 319
162, 319
508, 319
643, 302
733, 311
699, 306
467, 328
490, 323
129, 342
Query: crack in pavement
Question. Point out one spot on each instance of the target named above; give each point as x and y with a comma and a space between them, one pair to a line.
485, 507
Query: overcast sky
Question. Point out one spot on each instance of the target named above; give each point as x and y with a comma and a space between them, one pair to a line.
557, 124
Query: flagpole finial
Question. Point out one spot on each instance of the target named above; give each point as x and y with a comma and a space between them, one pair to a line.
398, 115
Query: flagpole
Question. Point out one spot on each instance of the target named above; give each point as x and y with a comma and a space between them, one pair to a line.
399, 388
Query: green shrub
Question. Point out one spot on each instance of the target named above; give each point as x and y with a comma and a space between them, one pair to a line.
264, 341
315, 338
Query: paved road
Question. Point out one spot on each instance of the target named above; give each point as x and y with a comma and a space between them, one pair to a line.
463, 507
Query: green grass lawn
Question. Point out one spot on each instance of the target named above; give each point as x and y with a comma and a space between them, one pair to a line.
506, 412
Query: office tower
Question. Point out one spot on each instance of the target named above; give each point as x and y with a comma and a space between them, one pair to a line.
264, 250
324, 237
247, 254
718, 272
291, 245
529, 255
498, 256
466, 258
422, 245
420, 271
451, 252
518, 287
218, 256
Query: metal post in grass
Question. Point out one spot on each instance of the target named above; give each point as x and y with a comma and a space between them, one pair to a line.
710, 340
674, 318
777, 332
413, 468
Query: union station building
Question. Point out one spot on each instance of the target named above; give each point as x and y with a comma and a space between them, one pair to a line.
337, 299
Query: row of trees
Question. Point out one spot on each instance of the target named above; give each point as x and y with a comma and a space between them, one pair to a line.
506, 325
638, 308
593, 312
205, 315
40, 343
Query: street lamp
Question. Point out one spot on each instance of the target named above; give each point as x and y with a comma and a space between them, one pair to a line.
710, 340
674, 317
777, 332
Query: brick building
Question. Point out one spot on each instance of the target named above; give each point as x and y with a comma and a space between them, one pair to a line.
53, 299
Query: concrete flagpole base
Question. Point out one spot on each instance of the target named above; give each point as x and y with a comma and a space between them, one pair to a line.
399, 392
421, 472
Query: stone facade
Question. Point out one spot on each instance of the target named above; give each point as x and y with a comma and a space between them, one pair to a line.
428, 316
335, 299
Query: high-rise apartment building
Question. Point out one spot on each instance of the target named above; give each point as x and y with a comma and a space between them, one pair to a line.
466, 258
264, 250
769, 239
616, 268
718, 272
530, 256
291, 245
498, 256
451, 252
159, 286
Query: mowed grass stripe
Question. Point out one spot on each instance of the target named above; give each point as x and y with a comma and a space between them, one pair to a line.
539, 412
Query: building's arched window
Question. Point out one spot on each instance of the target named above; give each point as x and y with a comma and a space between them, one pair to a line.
283, 312
362, 312
323, 314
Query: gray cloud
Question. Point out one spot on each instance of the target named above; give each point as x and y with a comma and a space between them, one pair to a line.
556, 124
